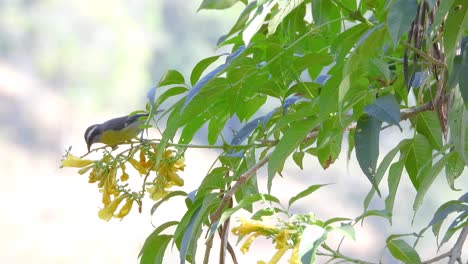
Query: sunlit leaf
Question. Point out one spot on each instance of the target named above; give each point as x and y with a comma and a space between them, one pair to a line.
217, 4
312, 237
279, 17
309, 190
402, 251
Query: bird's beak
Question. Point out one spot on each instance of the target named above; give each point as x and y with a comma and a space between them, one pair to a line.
89, 146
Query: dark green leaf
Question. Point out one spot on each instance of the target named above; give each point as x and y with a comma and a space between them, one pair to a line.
171, 77
399, 18
293, 136
366, 139
386, 109
443, 211
154, 248
458, 223
458, 124
402, 251
305, 192
217, 4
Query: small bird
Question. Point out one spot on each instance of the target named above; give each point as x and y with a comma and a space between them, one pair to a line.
115, 131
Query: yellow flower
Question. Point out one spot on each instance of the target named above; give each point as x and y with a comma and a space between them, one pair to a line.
282, 238
295, 254
137, 166
107, 212
278, 255
142, 159
124, 176
157, 192
248, 226
85, 169
245, 247
77, 162
125, 208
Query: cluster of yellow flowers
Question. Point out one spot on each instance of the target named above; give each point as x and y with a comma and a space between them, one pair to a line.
104, 172
285, 238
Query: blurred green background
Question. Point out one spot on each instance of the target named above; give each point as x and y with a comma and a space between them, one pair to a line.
65, 65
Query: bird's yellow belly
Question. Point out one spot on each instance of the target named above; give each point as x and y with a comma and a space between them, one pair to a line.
114, 137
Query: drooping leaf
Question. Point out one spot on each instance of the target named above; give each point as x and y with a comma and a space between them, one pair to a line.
366, 140
165, 198
383, 166
304, 193
458, 124
454, 168
381, 213
394, 175
426, 179
399, 18
298, 158
402, 251
458, 223
386, 109
443, 211
293, 136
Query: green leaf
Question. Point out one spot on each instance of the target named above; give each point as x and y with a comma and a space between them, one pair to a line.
324, 11
329, 142
427, 124
458, 223
443, 211
383, 166
426, 179
282, 13
454, 28
201, 67
153, 249
165, 198
304, 193
298, 157
311, 239
463, 78
216, 4
381, 213
243, 18
386, 109
171, 77
186, 236
173, 91
399, 18
402, 251
458, 124
216, 179
394, 176
454, 168
347, 230
335, 219
441, 13
293, 136
346, 40
366, 139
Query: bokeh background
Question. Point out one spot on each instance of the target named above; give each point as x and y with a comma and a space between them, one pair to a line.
65, 65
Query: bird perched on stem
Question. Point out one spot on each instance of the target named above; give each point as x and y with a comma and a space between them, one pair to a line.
115, 131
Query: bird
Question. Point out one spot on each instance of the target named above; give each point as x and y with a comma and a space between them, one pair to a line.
115, 131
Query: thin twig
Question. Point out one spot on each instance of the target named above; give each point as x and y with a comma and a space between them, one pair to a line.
423, 55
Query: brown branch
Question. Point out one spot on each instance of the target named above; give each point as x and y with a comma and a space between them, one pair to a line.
453, 254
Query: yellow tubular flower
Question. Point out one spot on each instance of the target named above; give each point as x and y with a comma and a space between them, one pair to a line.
248, 226
124, 177
282, 238
85, 169
125, 209
137, 166
245, 247
295, 254
142, 159
77, 162
107, 212
278, 255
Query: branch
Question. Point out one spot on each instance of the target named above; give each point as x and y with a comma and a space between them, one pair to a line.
454, 254
424, 55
